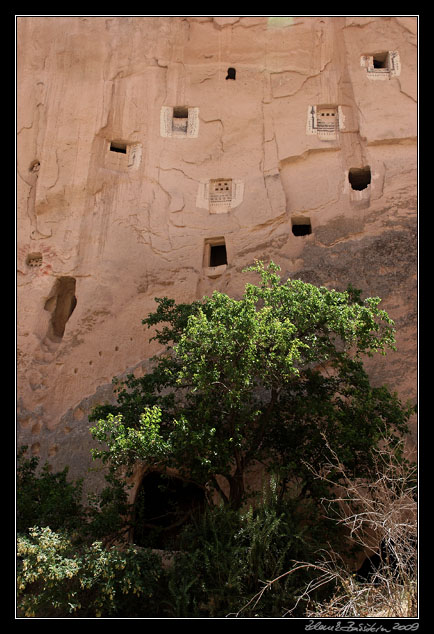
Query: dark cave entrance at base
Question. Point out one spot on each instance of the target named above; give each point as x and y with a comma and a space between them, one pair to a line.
163, 507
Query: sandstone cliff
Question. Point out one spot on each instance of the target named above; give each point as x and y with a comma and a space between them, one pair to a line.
161, 155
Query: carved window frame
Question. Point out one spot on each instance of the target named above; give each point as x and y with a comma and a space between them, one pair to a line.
392, 67
325, 121
214, 271
170, 128
120, 160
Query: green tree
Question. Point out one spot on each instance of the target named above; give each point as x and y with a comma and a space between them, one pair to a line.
47, 499
51, 499
263, 378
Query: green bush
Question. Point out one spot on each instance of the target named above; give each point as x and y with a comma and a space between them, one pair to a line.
226, 555
58, 579
47, 499
50, 499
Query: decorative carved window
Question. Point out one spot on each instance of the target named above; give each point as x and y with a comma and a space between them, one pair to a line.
220, 195
382, 65
381, 60
327, 122
179, 121
34, 260
324, 121
221, 186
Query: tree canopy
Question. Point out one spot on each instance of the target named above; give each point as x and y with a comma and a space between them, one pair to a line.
260, 379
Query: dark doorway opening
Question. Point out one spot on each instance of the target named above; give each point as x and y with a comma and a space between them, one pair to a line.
218, 255
301, 227
164, 506
231, 73
359, 177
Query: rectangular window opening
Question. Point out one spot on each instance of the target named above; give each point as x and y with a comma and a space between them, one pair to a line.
381, 60
217, 255
301, 226
180, 112
180, 120
117, 146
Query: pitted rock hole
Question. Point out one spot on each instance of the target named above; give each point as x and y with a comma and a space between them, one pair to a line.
61, 305
34, 166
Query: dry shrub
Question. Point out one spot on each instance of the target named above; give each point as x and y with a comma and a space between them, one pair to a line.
380, 516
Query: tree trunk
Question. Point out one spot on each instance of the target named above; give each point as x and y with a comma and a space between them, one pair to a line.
236, 490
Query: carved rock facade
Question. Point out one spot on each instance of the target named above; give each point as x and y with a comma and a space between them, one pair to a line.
147, 143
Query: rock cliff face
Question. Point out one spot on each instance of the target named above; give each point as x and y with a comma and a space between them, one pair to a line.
161, 155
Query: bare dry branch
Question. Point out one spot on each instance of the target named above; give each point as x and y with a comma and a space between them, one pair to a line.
380, 515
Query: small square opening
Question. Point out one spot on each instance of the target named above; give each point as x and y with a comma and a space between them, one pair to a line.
359, 177
217, 255
301, 226
118, 146
180, 112
380, 60
180, 120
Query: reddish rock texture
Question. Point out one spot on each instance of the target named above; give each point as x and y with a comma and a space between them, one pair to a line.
139, 151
